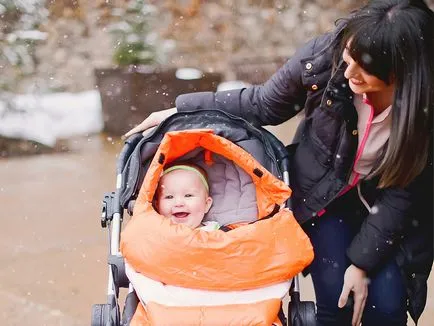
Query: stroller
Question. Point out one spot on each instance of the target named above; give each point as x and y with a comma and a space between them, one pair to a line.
235, 150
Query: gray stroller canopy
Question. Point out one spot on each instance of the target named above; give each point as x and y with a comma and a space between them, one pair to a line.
234, 197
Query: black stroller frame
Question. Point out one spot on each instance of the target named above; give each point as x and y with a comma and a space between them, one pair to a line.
129, 170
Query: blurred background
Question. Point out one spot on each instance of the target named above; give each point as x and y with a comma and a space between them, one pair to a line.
77, 74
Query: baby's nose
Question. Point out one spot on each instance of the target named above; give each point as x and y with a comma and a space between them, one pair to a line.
179, 201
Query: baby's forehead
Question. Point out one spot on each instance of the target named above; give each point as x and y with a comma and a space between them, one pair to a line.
175, 174
180, 178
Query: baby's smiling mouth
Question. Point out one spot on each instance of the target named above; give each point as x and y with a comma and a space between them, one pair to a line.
181, 214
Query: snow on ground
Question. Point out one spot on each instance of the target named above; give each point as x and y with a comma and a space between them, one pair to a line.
49, 117
46, 118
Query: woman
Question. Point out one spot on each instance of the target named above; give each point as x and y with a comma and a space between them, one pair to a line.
361, 170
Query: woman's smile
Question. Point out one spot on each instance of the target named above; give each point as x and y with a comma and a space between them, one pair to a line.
356, 82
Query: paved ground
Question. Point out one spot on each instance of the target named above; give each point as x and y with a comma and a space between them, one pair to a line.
52, 249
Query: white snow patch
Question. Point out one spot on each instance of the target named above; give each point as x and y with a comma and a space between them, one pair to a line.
31, 35
46, 118
188, 73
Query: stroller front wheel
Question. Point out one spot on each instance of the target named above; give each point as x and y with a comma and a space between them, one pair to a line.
100, 314
301, 314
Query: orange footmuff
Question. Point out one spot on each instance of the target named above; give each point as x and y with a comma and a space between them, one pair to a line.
250, 257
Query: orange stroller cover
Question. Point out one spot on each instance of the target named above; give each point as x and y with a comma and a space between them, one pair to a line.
252, 256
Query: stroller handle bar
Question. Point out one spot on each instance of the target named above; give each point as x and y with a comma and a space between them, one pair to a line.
278, 148
126, 151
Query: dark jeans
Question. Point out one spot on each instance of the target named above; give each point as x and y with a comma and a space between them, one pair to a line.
330, 235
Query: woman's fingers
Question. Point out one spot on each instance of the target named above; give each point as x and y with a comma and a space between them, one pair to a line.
354, 280
359, 304
360, 295
148, 131
344, 296
361, 312
140, 127
154, 119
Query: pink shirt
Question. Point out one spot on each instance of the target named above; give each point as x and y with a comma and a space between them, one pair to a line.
373, 132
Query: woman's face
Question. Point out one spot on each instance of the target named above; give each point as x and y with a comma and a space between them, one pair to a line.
361, 81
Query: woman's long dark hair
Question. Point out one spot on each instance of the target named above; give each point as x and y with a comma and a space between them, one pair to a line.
393, 40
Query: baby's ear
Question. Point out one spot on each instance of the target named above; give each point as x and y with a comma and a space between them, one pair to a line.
208, 204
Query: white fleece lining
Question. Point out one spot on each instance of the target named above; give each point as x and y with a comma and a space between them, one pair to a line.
149, 290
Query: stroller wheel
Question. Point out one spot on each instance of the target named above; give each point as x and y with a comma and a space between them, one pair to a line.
302, 314
100, 314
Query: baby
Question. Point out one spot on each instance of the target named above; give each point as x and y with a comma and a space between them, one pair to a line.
183, 195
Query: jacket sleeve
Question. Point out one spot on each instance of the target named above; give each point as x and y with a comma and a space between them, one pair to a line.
272, 103
386, 225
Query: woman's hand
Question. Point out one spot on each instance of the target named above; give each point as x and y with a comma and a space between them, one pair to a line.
355, 280
153, 120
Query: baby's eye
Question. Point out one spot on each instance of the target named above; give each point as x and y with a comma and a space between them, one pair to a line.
168, 197
189, 195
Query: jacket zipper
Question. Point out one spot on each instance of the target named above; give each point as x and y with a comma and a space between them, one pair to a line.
356, 180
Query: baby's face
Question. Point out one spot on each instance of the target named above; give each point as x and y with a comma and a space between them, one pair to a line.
182, 196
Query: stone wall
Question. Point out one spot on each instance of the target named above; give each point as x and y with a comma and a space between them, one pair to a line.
232, 30
210, 35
